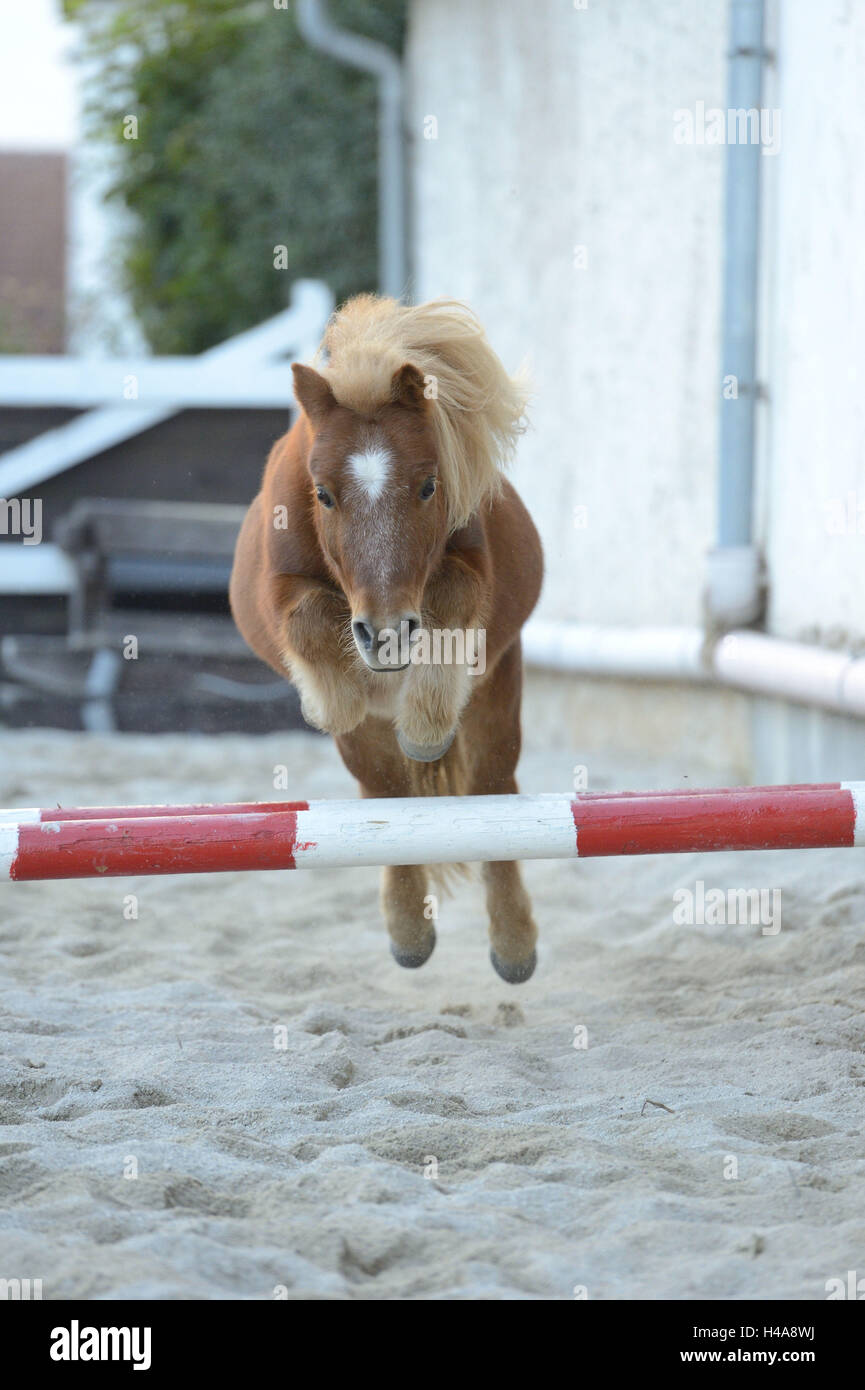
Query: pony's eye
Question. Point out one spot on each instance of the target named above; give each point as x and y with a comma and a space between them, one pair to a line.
324, 496
428, 488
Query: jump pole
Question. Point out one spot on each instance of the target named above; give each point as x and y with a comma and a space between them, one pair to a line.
41, 844
49, 813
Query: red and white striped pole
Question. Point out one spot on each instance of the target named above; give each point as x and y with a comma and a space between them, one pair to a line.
102, 842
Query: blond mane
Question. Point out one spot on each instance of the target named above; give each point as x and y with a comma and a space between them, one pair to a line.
477, 409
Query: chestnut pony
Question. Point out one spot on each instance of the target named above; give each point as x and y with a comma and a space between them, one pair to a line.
386, 568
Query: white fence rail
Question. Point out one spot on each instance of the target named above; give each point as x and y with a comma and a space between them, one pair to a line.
83, 381
132, 395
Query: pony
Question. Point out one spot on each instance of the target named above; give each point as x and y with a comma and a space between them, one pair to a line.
386, 568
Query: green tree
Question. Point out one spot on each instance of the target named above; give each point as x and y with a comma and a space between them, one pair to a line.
246, 140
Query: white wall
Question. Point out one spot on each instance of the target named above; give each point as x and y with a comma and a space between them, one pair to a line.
555, 128
815, 262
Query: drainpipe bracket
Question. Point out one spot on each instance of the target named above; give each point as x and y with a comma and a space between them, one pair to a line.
735, 593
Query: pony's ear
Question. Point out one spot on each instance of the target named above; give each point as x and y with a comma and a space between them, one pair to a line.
407, 387
312, 392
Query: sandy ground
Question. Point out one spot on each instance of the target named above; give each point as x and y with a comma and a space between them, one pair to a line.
430, 1134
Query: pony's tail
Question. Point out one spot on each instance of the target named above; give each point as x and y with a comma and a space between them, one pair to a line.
447, 777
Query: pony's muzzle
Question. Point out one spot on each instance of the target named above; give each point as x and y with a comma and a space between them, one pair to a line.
385, 646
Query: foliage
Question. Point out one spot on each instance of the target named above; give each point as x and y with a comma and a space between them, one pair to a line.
247, 139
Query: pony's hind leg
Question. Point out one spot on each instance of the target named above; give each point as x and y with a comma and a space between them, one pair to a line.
493, 733
372, 755
405, 905
512, 928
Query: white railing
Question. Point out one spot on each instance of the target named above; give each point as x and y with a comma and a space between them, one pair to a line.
78, 381
134, 394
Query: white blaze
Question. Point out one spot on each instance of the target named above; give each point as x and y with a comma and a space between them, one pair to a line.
370, 469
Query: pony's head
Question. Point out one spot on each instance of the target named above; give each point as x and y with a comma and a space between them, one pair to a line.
379, 512
411, 420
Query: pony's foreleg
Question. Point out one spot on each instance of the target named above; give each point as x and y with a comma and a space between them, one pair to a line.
404, 903
436, 692
430, 709
321, 660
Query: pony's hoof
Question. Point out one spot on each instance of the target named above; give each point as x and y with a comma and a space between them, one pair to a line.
425, 752
413, 960
514, 972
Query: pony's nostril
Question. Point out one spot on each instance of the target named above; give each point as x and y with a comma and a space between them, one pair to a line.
413, 625
363, 635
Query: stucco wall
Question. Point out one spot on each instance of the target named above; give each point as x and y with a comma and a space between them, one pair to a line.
816, 325
555, 130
